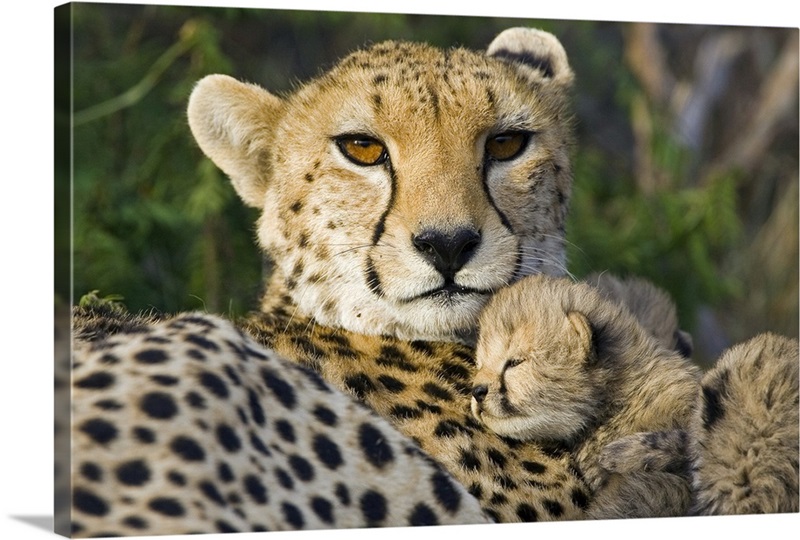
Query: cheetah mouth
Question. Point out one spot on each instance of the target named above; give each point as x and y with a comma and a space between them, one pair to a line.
451, 291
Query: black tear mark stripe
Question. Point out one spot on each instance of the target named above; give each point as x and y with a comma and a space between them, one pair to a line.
371, 274
381, 225
485, 181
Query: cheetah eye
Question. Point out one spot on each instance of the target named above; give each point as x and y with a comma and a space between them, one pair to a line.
507, 145
362, 150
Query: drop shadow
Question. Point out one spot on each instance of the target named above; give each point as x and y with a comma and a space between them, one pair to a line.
40, 522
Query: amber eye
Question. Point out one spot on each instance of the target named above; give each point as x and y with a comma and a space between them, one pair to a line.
362, 150
507, 145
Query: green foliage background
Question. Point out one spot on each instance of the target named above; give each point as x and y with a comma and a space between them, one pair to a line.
157, 224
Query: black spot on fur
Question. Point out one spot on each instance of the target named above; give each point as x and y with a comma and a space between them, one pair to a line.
255, 489
449, 428
422, 516
403, 412
225, 527
214, 384
212, 493
342, 494
374, 445
167, 506
323, 509
428, 407
580, 499
285, 430
454, 372
325, 415
422, 347
527, 513
195, 400
92, 472
284, 478
151, 356
534, 467
327, 451
445, 491
360, 384
165, 380
158, 405
282, 390
228, 438
187, 449
256, 410
224, 473
498, 498
497, 458
436, 391
87, 502
296, 206
476, 490
259, 445
469, 460
99, 430
133, 473
506, 482
391, 356
96, 381
144, 435
373, 507
177, 478
135, 522
301, 468
554, 508
202, 342
293, 515
391, 383
108, 405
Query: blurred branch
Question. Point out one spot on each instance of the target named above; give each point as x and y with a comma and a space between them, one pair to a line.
646, 58
187, 39
776, 101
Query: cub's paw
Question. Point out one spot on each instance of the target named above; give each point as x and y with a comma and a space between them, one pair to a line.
663, 451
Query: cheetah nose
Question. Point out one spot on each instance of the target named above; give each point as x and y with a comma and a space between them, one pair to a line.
448, 253
479, 392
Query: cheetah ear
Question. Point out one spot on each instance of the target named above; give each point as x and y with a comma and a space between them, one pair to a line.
233, 124
538, 54
582, 331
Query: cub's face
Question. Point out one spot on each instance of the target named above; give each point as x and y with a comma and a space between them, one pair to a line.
402, 188
533, 380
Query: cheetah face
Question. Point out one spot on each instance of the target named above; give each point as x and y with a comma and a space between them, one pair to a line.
533, 380
402, 188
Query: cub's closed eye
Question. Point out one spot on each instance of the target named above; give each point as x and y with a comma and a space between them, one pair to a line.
362, 150
506, 146
512, 362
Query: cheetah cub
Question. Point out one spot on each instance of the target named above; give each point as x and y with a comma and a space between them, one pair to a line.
563, 364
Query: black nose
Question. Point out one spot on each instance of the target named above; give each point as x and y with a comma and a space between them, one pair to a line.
479, 392
448, 253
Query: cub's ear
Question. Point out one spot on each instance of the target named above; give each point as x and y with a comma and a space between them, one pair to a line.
582, 331
233, 124
536, 53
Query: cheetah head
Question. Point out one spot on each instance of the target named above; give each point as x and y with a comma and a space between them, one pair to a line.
536, 378
403, 187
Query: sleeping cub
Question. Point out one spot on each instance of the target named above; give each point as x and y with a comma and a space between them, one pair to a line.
563, 364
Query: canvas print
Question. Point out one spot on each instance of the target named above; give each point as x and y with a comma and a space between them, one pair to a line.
333, 270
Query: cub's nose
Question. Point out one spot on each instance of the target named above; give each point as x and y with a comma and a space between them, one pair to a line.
479, 392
